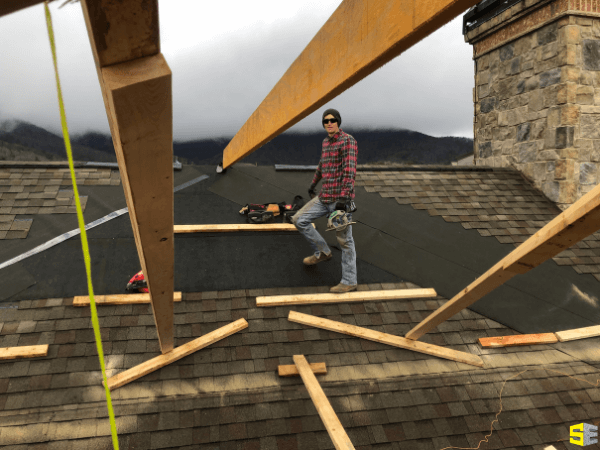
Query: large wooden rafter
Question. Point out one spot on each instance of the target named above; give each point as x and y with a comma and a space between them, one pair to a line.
359, 38
136, 88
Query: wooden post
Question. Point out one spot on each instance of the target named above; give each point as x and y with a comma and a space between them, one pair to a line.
580, 220
358, 38
136, 87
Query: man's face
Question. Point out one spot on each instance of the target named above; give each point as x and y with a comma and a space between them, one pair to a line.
330, 127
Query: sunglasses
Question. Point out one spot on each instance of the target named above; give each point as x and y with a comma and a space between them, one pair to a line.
329, 121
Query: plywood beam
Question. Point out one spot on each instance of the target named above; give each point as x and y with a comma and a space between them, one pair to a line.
362, 296
358, 38
291, 370
385, 338
136, 88
580, 220
578, 333
228, 228
26, 351
174, 355
334, 427
519, 339
125, 299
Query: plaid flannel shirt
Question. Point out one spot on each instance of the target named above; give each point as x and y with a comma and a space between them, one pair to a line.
337, 167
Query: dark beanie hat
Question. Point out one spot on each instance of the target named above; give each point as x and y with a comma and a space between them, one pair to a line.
334, 113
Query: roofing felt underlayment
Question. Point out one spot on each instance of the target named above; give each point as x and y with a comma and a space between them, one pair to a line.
228, 395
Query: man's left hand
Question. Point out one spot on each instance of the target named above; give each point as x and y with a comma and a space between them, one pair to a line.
341, 204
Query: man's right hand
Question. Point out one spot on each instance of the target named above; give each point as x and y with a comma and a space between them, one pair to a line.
311, 193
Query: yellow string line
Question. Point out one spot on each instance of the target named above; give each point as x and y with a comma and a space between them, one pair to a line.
485, 439
84, 243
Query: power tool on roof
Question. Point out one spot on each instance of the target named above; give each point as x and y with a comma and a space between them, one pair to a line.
266, 212
137, 283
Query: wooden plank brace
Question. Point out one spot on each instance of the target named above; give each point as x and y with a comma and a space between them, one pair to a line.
180, 352
334, 427
385, 338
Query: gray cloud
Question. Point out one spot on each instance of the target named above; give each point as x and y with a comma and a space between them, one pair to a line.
225, 59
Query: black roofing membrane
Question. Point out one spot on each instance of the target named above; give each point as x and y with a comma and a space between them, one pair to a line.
14, 279
203, 261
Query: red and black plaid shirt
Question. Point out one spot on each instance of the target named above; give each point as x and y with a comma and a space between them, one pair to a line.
337, 167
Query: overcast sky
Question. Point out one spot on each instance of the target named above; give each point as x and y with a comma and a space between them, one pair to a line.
226, 57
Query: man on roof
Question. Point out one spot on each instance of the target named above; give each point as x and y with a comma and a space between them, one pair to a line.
337, 168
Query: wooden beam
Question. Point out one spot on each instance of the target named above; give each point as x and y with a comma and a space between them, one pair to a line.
519, 339
334, 427
362, 296
365, 36
125, 299
174, 355
578, 333
227, 228
580, 220
292, 371
385, 338
26, 351
11, 6
136, 88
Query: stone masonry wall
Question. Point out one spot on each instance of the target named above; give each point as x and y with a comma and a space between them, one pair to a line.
538, 107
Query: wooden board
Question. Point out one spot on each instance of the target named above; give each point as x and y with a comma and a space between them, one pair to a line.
123, 31
578, 333
362, 296
385, 338
135, 82
334, 427
174, 355
125, 299
365, 35
229, 228
26, 351
519, 339
291, 370
11, 6
580, 220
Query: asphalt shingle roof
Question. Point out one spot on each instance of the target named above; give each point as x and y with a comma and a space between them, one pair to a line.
229, 394
25, 191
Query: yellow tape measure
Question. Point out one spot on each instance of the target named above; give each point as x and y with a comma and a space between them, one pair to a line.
84, 243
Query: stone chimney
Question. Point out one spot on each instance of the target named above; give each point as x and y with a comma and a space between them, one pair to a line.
537, 91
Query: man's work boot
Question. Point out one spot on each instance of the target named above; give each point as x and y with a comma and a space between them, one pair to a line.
312, 259
341, 288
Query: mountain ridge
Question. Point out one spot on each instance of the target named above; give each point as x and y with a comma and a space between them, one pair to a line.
19, 139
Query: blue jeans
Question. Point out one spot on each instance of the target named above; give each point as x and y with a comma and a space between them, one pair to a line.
303, 221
